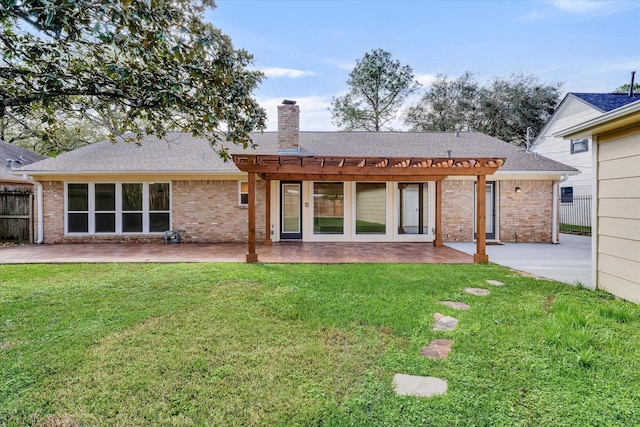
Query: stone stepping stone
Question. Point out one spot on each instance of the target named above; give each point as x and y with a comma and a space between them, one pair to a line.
412, 385
437, 349
444, 323
477, 291
455, 304
495, 282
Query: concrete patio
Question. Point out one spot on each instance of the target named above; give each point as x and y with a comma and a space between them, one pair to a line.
568, 262
284, 252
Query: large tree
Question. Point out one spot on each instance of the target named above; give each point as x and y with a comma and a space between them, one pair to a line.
378, 86
446, 105
153, 64
505, 108
508, 106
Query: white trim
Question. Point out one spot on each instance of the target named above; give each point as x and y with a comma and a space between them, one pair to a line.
240, 192
594, 213
600, 120
146, 213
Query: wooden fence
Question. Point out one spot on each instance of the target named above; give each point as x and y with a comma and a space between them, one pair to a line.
16, 214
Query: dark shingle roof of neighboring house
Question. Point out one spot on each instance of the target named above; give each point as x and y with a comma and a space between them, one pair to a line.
607, 101
181, 153
13, 156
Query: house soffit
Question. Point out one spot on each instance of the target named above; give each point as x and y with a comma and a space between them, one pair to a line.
328, 168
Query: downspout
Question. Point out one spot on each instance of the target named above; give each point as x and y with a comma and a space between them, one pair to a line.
40, 203
554, 219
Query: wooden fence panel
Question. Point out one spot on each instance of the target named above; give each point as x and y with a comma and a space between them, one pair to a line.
16, 217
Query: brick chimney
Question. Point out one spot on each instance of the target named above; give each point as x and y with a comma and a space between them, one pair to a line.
288, 125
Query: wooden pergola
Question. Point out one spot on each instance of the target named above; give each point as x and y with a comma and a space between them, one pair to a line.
379, 169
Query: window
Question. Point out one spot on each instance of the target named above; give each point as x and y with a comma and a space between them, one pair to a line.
579, 145
118, 208
132, 210
243, 193
371, 208
78, 208
105, 208
566, 194
328, 208
159, 207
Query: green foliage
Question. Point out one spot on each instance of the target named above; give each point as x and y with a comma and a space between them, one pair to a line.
447, 105
504, 109
378, 86
147, 65
625, 88
301, 345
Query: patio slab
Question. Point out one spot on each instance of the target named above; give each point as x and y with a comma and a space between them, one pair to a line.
568, 262
284, 252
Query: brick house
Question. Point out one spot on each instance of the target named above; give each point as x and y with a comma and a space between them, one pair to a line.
130, 192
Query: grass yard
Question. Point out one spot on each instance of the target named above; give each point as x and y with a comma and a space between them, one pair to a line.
235, 344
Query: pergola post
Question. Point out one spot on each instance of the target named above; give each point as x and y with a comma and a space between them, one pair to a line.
252, 256
481, 221
438, 239
267, 214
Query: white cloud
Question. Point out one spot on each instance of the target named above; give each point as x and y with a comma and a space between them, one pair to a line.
342, 65
581, 6
314, 112
621, 65
426, 79
277, 72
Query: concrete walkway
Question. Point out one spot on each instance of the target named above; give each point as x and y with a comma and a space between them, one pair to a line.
568, 262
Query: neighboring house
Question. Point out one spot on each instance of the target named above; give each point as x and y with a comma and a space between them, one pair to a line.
16, 194
616, 163
129, 192
576, 108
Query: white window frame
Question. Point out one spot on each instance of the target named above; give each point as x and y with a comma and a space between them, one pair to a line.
240, 193
579, 141
91, 212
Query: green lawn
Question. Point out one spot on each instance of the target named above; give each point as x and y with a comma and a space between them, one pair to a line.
235, 344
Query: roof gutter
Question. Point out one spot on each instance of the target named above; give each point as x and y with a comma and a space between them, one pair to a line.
40, 204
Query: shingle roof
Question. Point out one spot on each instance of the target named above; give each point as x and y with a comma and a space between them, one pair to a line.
19, 156
181, 153
607, 101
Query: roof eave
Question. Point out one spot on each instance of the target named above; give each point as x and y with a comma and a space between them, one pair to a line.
626, 115
133, 172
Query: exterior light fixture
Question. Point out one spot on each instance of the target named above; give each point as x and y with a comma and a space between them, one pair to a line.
518, 190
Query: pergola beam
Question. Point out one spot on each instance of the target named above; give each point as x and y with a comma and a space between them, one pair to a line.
381, 169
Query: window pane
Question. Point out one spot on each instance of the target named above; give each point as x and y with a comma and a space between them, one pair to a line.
566, 194
105, 197
579, 145
328, 208
244, 199
159, 197
413, 205
158, 222
132, 223
78, 223
78, 197
371, 208
131, 197
105, 222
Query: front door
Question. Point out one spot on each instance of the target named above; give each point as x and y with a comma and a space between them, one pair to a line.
290, 210
490, 213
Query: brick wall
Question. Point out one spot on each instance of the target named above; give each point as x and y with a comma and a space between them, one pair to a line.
207, 210
53, 211
457, 210
527, 213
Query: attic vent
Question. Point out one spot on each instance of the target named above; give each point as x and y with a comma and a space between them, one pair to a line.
9, 161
